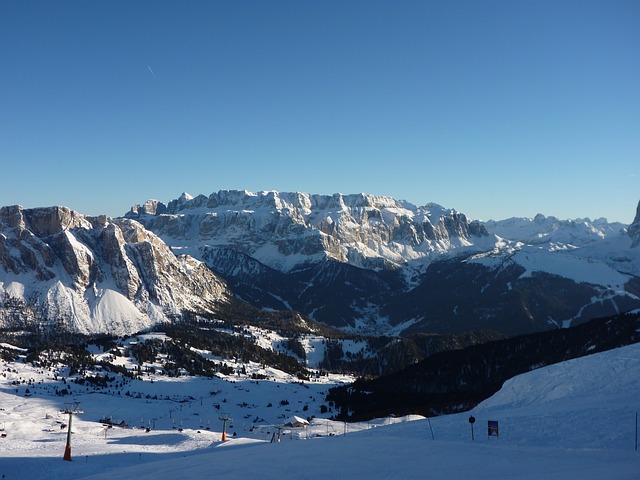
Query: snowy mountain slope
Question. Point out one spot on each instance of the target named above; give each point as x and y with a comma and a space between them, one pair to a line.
608, 269
582, 395
94, 274
372, 264
595, 252
573, 420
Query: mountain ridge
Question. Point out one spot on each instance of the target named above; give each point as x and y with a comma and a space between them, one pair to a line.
364, 230
364, 263
356, 261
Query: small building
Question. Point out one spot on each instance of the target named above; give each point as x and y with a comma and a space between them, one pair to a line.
296, 422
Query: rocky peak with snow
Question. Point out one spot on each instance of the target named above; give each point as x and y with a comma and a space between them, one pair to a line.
551, 230
287, 230
634, 229
96, 274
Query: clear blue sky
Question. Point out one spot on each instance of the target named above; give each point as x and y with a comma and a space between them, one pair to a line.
494, 108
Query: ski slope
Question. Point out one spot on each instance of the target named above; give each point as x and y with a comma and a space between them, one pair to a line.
574, 420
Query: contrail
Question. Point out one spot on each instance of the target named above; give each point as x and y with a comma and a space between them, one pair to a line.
151, 71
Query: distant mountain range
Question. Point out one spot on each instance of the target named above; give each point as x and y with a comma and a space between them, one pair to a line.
362, 263
375, 265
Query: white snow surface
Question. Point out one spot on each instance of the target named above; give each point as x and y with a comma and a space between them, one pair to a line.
573, 420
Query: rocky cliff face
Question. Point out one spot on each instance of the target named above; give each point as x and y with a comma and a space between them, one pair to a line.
634, 229
95, 274
287, 230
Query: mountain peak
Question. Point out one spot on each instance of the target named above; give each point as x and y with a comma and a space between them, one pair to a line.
96, 274
185, 197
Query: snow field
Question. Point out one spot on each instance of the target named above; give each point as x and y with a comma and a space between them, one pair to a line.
573, 420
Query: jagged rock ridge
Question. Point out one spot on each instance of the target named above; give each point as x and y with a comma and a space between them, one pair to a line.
288, 230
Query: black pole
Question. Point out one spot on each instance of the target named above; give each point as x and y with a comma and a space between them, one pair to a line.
472, 420
432, 437
636, 431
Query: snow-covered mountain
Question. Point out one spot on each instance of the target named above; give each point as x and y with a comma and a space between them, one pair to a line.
375, 264
93, 275
551, 231
287, 231
363, 263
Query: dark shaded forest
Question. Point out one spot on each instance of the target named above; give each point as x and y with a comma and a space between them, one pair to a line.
457, 380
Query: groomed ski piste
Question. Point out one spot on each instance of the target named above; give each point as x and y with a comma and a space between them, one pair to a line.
574, 420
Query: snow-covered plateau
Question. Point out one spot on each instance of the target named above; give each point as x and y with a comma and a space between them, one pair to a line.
573, 420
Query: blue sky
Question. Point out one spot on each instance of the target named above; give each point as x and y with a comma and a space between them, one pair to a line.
494, 108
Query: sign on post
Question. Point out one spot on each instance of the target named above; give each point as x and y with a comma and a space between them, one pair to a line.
472, 420
493, 428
